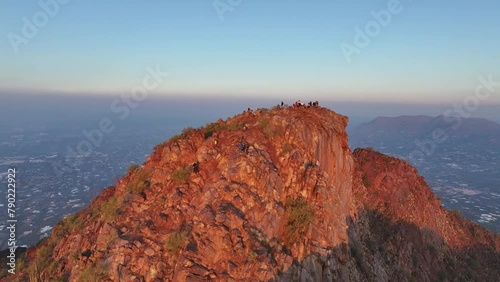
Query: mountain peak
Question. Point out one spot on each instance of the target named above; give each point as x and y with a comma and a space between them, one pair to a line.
265, 195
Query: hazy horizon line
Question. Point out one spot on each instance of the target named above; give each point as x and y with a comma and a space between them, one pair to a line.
276, 98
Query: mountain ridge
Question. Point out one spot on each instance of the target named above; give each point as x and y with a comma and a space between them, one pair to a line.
423, 124
277, 195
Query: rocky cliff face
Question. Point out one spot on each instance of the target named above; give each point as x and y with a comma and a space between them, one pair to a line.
291, 203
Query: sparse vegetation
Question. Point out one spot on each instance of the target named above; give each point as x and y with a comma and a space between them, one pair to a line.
287, 148
44, 254
235, 125
109, 209
263, 123
43, 259
176, 241
187, 130
140, 182
366, 181
66, 225
270, 133
363, 160
181, 175
176, 138
20, 263
214, 127
252, 256
210, 128
184, 134
34, 273
456, 213
93, 273
75, 254
266, 128
299, 215
132, 168
231, 126
53, 266
64, 277
158, 146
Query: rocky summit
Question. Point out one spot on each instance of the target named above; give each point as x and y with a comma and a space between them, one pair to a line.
267, 195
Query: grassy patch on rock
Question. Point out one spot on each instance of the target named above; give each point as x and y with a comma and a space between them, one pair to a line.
139, 182
299, 216
175, 241
181, 175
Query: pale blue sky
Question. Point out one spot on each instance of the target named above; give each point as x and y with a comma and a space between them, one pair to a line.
432, 51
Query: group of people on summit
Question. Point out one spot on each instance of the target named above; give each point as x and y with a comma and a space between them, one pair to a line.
244, 146
299, 104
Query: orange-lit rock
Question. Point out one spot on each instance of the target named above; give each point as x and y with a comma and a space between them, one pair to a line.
372, 217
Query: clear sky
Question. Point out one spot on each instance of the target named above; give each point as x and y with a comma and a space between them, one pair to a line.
429, 51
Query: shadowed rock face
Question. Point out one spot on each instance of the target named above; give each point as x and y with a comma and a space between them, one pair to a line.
297, 206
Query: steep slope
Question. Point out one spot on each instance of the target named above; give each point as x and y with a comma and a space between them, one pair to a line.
411, 229
278, 196
394, 188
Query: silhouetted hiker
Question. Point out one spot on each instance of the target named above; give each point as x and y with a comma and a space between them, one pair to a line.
298, 104
282, 104
243, 146
196, 167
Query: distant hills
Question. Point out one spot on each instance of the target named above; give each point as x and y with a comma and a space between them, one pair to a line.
475, 130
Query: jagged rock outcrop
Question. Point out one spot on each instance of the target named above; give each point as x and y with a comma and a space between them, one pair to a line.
292, 203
